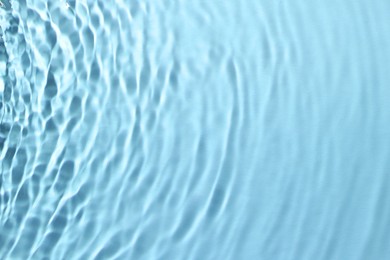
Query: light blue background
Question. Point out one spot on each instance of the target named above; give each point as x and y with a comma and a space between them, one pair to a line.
195, 130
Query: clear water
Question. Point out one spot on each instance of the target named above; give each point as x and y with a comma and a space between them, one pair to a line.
172, 129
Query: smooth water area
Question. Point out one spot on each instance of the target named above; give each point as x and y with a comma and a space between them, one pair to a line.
210, 130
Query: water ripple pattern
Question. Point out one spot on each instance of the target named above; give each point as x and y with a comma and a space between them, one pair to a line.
197, 130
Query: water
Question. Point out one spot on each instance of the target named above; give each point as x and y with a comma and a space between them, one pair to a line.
137, 129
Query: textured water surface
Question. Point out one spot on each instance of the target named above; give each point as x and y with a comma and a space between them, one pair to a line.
172, 129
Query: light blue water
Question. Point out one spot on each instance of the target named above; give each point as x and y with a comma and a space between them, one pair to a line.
172, 129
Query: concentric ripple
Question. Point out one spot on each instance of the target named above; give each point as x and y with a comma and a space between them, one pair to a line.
138, 129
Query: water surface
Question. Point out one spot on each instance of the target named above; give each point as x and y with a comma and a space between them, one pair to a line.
137, 129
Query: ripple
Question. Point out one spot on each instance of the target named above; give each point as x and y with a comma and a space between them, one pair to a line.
193, 130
